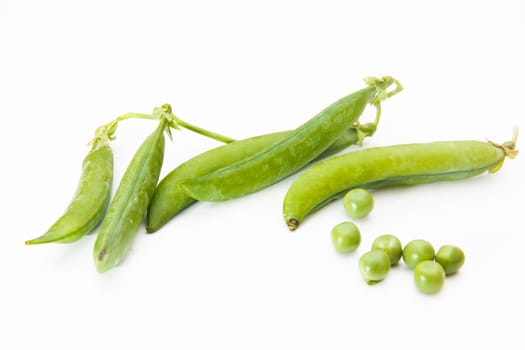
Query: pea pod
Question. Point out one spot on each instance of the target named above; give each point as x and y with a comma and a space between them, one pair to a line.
127, 209
168, 199
89, 203
291, 153
376, 167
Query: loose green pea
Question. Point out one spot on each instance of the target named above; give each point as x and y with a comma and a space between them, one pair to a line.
416, 251
374, 266
358, 203
451, 258
391, 245
429, 276
346, 237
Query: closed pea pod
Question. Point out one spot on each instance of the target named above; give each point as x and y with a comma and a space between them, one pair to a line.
376, 167
168, 199
293, 152
89, 203
127, 209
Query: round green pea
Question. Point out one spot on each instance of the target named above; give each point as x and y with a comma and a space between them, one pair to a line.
429, 276
358, 203
374, 266
391, 245
346, 237
451, 258
416, 251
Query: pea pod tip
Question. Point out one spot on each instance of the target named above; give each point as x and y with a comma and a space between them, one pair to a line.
293, 224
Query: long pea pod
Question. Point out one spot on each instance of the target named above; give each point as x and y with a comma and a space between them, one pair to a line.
87, 208
293, 152
169, 199
128, 208
396, 165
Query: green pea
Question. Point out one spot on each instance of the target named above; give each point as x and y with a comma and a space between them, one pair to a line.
346, 237
429, 276
376, 167
451, 258
391, 245
358, 203
416, 251
291, 153
374, 266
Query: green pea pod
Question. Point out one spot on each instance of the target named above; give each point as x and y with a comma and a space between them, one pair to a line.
291, 153
168, 199
376, 167
89, 204
127, 209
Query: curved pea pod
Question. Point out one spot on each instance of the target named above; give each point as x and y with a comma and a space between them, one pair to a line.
168, 199
293, 152
128, 207
408, 164
90, 201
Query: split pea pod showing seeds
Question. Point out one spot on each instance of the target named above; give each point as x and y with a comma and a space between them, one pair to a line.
293, 152
168, 199
128, 208
376, 167
89, 204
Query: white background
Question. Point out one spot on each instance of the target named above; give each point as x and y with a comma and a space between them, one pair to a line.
231, 275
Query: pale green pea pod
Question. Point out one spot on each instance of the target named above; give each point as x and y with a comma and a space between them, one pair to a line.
127, 209
89, 203
408, 164
168, 199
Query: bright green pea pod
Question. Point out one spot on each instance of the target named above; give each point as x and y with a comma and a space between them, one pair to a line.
291, 153
168, 199
88, 206
408, 164
127, 209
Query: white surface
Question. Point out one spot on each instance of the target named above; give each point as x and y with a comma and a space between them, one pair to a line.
230, 275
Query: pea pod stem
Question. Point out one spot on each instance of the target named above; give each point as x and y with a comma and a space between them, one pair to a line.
396, 165
173, 121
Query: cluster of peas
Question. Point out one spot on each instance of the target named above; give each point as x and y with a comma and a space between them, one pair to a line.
430, 268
